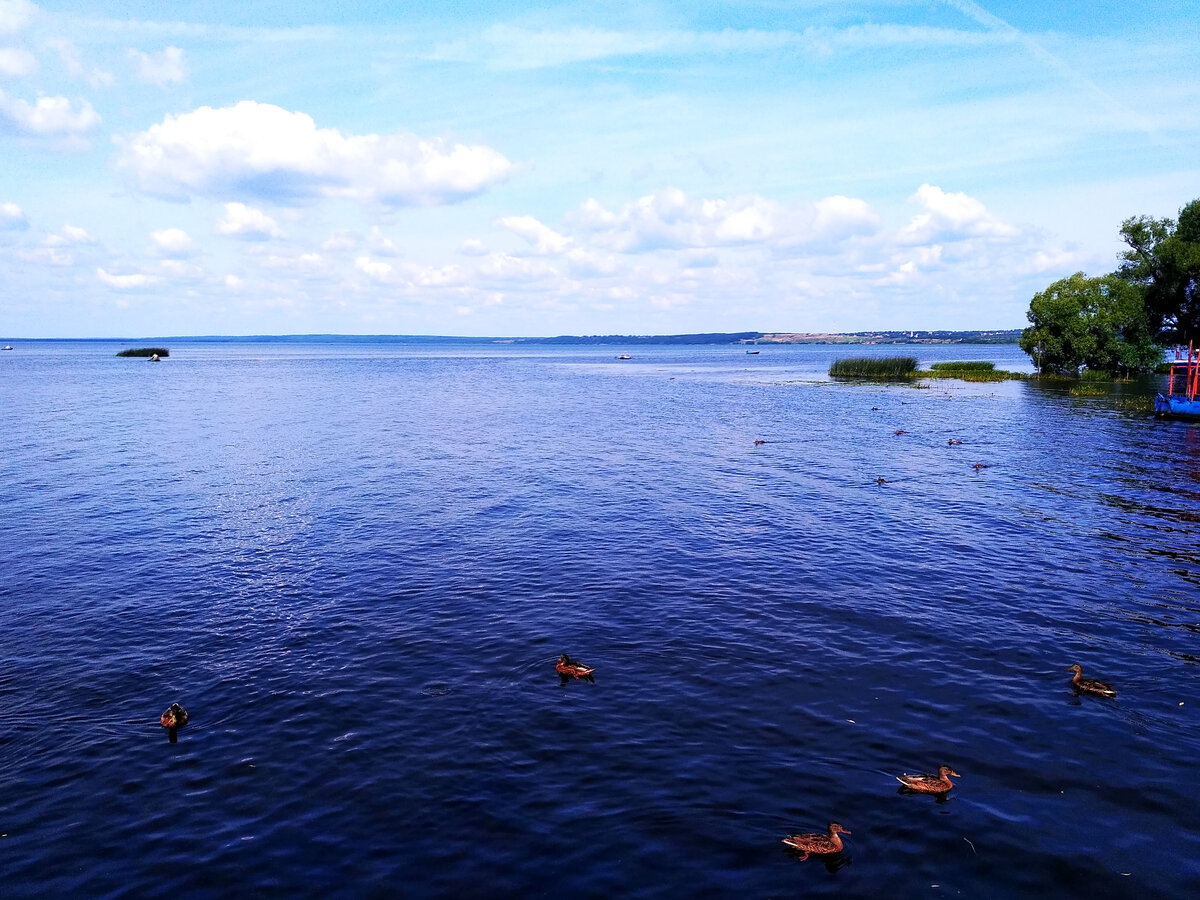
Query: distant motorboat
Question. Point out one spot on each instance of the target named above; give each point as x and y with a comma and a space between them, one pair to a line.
6, 347
154, 357
624, 356
754, 352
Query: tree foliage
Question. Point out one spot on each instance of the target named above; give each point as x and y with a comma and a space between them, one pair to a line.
1099, 323
1163, 258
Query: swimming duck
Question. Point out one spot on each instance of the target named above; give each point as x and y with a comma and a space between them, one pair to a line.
175, 717
900, 431
930, 784
881, 480
1089, 685
979, 466
953, 443
817, 843
758, 441
566, 666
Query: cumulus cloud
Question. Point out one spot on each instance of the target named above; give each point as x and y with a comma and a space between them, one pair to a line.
952, 217
543, 239
374, 269
247, 223
172, 242
266, 151
12, 218
68, 235
15, 15
15, 62
49, 117
160, 68
380, 244
472, 247
68, 53
132, 282
669, 219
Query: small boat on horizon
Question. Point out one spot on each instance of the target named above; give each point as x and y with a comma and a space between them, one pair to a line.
6, 347
624, 356
753, 352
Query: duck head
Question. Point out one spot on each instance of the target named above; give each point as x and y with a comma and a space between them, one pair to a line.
835, 828
943, 771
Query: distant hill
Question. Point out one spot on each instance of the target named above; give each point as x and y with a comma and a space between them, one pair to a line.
1009, 336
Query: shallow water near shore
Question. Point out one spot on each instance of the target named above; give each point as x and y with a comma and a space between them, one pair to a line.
355, 565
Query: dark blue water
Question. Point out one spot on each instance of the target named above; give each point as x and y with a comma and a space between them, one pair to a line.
355, 566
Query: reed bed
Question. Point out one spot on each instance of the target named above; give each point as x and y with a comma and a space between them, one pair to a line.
973, 366
874, 367
146, 351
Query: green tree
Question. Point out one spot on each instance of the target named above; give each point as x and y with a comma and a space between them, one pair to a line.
1163, 258
1099, 323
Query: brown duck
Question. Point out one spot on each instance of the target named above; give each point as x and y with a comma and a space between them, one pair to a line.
175, 717
1089, 685
818, 843
930, 784
572, 667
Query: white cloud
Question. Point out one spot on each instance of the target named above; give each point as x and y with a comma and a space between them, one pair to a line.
70, 234
380, 244
12, 218
234, 283
15, 15
172, 242
435, 276
952, 217
68, 53
132, 282
376, 271
343, 239
160, 68
15, 62
508, 47
543, 239
181, 268
670, 220
49, 117
247, 223
263, 150
472, 247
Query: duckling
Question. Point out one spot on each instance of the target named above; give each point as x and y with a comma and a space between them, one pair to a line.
175, 717
758, 441
979, 466
881, 480
566, 666
1089, 685
953, 443
818, 843
930, 784
899, 431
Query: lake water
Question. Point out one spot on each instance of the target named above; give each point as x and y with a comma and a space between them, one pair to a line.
355, 566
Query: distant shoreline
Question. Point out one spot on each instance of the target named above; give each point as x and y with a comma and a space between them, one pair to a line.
737, 337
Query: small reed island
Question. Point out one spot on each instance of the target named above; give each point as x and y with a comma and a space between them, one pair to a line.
147, 352
905, 368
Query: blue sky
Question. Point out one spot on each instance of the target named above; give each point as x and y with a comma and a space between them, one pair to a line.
523, 169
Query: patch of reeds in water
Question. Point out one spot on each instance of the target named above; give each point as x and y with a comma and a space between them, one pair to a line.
874, 367
146, 351
975, 370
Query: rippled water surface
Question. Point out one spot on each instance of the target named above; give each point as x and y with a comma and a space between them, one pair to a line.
355, 565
